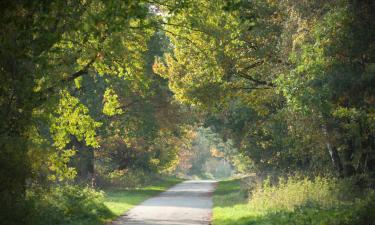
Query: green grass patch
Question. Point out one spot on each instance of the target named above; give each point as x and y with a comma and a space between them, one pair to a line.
294, 201
230, 204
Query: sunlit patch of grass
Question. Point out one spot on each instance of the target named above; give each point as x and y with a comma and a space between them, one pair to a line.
230, 204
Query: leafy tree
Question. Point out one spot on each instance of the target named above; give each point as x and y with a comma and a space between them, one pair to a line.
292, 81
49, 50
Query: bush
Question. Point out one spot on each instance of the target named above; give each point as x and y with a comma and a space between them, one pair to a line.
295, 192
323, 201
125, 178
68, 205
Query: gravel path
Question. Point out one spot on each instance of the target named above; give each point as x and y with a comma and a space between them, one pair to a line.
187, 203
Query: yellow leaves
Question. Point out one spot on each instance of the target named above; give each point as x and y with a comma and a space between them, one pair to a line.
58, 165
112, 105
159, 68
78, 82
154, 162
72, 118
216, 152
347, 113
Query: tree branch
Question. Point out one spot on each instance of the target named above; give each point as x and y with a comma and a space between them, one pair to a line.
125, 107
183, 26
249, 88
256, 81
73, 76
253, 65
186, 39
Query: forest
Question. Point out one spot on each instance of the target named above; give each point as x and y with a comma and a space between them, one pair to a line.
98, 96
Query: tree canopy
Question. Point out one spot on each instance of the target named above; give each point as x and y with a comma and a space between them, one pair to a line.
91, 87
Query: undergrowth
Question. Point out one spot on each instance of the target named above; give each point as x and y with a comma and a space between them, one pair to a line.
68, 205
77, 205
323, 201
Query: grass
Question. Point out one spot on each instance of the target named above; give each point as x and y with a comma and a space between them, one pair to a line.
115, 203
121, 200
296, 201
230, 204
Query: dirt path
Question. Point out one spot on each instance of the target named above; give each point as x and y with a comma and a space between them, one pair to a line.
188, 203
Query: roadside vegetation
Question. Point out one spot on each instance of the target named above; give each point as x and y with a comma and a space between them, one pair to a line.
77, 205
323, 201
107, 95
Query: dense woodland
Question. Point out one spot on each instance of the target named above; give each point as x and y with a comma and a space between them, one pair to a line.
101, 93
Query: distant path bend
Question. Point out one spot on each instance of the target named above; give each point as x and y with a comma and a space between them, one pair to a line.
187, 203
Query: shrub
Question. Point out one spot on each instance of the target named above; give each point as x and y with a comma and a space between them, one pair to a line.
125, 178
323, 201
67, 205
295, 192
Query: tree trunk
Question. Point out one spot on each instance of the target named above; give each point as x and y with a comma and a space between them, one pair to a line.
83, 161
370, 166
348, 168
332, 150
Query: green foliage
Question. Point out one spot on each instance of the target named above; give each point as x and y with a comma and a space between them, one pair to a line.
125, 178
229, 193
111, 105
73, 119
58, 165
282, 73
296, 201
78, 75
68, 205
73, 205
295, 192
284, 87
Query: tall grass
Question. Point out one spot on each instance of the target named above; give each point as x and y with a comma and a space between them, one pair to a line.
298, 201
294, 191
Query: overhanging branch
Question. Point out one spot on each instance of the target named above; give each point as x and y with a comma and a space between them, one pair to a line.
73, 76
256, 81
